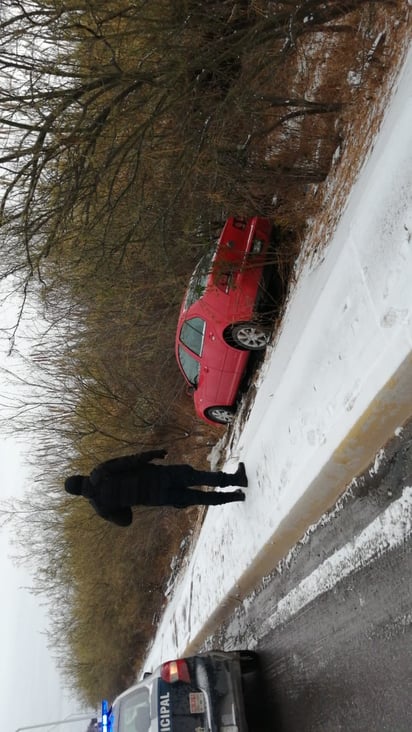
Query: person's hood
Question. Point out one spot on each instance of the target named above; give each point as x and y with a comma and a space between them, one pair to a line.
74, 484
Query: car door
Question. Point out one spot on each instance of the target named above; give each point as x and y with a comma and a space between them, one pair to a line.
220, 366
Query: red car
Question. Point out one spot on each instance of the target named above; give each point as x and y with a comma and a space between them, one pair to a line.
219, 322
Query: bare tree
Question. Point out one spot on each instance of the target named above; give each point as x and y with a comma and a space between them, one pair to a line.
102, 99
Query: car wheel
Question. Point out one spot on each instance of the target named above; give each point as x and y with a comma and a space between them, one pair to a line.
222, 415
249, 661
250, 336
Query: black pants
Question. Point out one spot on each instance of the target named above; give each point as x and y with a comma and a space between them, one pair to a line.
182, 477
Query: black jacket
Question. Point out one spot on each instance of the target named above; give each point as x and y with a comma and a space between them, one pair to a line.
117, 484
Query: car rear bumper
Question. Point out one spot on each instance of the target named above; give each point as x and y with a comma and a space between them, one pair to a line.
219, 676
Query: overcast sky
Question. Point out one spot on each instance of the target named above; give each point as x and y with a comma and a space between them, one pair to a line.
32, 691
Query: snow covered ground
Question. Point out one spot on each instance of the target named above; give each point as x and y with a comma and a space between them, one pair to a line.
335, 385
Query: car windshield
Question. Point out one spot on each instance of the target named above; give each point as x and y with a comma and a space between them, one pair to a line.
198, 280
190, 367
133, 712
192, 334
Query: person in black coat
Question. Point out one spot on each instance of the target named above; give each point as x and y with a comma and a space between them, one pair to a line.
116, 485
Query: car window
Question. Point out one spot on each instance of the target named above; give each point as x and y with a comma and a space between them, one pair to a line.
134, 712
199, 278
192, 333
190, 366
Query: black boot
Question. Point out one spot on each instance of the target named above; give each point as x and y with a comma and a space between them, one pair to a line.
240, 476
240, 495
216, 498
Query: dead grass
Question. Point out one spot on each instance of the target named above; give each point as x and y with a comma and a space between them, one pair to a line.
359, 66
373, 71
371, 50
303, 169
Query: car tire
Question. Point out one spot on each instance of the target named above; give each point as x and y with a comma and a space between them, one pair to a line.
249, 336
249, 661
220, 414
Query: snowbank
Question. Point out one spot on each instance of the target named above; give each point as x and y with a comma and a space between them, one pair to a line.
332, 390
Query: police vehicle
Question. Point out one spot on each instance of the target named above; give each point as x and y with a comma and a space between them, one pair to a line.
203, 693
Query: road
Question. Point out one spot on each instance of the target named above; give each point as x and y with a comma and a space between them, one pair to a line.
332, 625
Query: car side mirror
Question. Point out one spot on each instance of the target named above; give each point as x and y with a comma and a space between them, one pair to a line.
190, 390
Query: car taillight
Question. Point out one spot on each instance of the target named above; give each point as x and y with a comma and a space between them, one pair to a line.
239, 222
172, 671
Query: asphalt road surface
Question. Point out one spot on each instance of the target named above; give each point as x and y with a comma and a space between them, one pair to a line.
332, 625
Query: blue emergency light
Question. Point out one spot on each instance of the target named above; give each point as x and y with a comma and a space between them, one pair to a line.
106, 724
